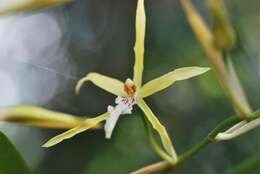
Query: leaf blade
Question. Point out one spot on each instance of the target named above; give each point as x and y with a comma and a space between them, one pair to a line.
10, 160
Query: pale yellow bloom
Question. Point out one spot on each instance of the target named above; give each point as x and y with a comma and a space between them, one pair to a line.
133, 92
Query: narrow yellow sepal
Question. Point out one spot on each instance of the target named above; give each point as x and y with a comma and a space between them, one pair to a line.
139, 43
38, 117
168, 79
166, 141
28, 5
87, 124
109, 84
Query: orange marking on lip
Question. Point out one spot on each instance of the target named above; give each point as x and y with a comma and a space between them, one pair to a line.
130, 89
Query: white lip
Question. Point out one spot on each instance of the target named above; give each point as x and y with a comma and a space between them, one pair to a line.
124, 106
111, 121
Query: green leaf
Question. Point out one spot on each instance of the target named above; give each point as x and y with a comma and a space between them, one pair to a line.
250, 166
11, 161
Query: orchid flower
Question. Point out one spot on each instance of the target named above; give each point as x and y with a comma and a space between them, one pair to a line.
132, 92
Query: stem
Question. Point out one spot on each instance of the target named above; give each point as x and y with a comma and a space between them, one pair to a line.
154, 144
204, 37
154, 168
163, 165
196, 148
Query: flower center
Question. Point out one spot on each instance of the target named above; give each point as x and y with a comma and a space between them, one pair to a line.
124, 105
129, 87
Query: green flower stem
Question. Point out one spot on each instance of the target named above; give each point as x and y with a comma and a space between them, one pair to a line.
247, 166
196, 148
153, 142
163, 165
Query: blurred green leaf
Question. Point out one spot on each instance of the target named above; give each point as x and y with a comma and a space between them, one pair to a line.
250, 166
11, 161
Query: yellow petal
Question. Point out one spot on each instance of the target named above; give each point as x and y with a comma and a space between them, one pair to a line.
28, 5
109, 84
88, 124
168, 79
38, 117
139, 43
166, 141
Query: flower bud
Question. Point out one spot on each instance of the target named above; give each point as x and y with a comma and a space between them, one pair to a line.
223, 33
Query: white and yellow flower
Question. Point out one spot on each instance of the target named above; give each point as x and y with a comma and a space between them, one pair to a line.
132, 92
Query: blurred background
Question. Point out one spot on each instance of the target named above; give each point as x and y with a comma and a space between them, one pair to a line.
44, 53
